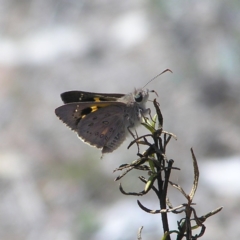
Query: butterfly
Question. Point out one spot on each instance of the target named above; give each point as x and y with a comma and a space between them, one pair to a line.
103, 120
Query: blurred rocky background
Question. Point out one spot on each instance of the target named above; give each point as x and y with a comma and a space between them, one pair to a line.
52, 186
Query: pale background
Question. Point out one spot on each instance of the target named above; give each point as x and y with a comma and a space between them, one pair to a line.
52, 186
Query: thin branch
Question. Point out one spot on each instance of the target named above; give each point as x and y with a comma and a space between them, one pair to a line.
161, 210
139, 235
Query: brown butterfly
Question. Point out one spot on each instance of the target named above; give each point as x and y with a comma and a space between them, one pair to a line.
103, 119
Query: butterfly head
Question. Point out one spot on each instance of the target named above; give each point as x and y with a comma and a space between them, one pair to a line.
141, 96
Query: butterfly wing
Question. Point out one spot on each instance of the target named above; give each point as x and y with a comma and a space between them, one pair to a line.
72, 113
80, 96
100, 125
104, 129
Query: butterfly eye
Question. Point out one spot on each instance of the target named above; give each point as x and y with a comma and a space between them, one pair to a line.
139, 97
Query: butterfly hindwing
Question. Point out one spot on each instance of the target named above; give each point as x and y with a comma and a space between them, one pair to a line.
103, 128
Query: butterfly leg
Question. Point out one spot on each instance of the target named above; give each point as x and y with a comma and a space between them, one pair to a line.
150, 115
128, 128
145, 112
134, 136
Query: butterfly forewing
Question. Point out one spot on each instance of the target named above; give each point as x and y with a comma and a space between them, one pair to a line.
67, 114
80, 96
72, 113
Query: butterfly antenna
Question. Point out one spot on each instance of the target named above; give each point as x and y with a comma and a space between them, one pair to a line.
166, 70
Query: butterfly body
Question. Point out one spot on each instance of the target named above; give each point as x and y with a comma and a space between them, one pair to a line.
101, 119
